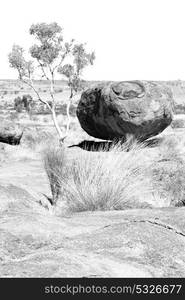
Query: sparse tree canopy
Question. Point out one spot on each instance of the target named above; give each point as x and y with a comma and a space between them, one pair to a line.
51, 46
50, 53
81, 59
18, 62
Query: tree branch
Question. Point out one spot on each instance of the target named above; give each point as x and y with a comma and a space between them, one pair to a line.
43, 71
36, 92
61, 61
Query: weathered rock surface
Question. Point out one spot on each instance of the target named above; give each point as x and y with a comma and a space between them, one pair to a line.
10, 133
36, 243
130, 243
114, 110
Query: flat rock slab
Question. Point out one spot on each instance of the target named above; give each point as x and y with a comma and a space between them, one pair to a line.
131, 243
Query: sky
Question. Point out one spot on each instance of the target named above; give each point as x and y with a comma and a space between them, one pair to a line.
132, 39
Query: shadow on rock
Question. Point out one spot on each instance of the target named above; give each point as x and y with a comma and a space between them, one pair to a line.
94, 145
107, 145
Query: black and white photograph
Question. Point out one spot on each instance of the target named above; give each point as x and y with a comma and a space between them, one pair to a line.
92, 142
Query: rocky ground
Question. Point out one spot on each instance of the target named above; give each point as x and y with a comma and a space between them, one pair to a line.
36, 243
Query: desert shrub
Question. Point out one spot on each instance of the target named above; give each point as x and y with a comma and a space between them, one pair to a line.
104, 181
29, 140
55, 165
179, 109
26, 102
179, 123
18, 104
168, 173
14, 116
112, 180
37, 138
117, 179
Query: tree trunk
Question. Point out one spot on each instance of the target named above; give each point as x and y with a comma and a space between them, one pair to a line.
51, 108
68, 113
59, 131
68, 116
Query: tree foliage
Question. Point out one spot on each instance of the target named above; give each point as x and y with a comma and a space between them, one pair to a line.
17, 61
73, 71
50, 42
50, 53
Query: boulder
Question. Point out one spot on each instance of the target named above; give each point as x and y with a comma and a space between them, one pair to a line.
10, 133
115, 110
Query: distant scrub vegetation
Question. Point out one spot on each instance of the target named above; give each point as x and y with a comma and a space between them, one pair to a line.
24, 102
179, 109
178, 123
34, 138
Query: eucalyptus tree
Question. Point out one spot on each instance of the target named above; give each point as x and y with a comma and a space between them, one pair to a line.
51, 55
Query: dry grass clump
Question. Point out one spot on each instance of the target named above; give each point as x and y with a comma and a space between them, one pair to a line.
37, 138
117, 179
55, 164
106, 181
99, 180
168, 173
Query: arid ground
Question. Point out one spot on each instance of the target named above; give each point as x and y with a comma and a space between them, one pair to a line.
144, 238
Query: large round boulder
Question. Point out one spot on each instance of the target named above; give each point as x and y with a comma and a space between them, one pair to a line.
117, 109
10, 133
